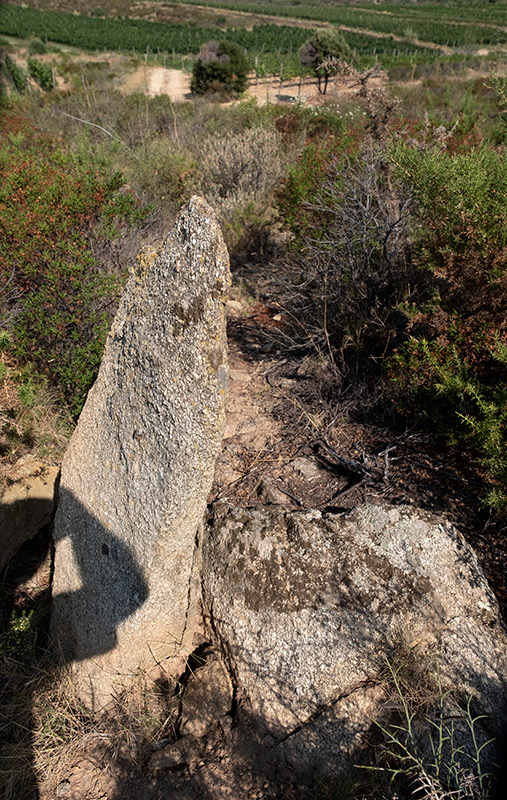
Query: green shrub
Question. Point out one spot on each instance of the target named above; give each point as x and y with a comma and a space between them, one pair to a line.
457, 384
37, 47
41, 73
16, 73
453, 367
51, 203
460, 209
219, 66
302, 187
3, 89
165, 172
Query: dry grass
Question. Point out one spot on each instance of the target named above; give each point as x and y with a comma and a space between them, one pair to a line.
31, 421
49, 738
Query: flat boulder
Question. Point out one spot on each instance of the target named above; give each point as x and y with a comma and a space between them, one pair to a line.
139, 466
308, 609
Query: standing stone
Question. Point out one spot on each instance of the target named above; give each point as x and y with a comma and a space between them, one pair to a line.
140, 465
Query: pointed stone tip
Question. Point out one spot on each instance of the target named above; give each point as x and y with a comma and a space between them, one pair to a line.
198, 203
198, 208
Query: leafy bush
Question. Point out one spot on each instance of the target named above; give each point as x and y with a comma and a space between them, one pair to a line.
50, 203
16, 73
41, 73
36, 47
219, 66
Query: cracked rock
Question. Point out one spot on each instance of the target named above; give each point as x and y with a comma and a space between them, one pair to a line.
207, 698
306, 609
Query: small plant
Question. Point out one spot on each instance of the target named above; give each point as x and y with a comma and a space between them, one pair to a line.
436, 755
19, 637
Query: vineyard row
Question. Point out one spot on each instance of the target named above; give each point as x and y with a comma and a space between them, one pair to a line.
264, 43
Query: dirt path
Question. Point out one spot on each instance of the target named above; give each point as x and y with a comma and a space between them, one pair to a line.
158, 80
176, 84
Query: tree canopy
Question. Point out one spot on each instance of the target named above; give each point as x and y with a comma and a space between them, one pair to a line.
323, 45
219, 65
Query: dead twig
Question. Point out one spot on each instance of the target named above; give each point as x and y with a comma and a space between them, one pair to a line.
343, 493
352, 466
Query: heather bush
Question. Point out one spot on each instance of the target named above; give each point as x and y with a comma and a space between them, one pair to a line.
458, 385
462, 231
451, 371
239, 174
54, 207
302, 186
351, 264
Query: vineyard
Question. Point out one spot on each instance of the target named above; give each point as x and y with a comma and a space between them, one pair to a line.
477, 24
271, 48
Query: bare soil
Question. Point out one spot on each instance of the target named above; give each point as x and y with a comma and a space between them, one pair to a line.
176, 84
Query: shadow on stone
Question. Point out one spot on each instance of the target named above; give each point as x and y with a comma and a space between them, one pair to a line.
119, 590
112, 587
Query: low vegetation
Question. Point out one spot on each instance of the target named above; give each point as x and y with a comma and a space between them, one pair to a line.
58, 298
431, 747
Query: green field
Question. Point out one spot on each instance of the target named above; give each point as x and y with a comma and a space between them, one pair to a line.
391, 35
270, 47
475, 24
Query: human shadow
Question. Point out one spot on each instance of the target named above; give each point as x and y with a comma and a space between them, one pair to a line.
78, 624
85, 620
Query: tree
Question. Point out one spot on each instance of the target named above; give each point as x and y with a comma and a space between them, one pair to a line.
219, 65
324, 45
